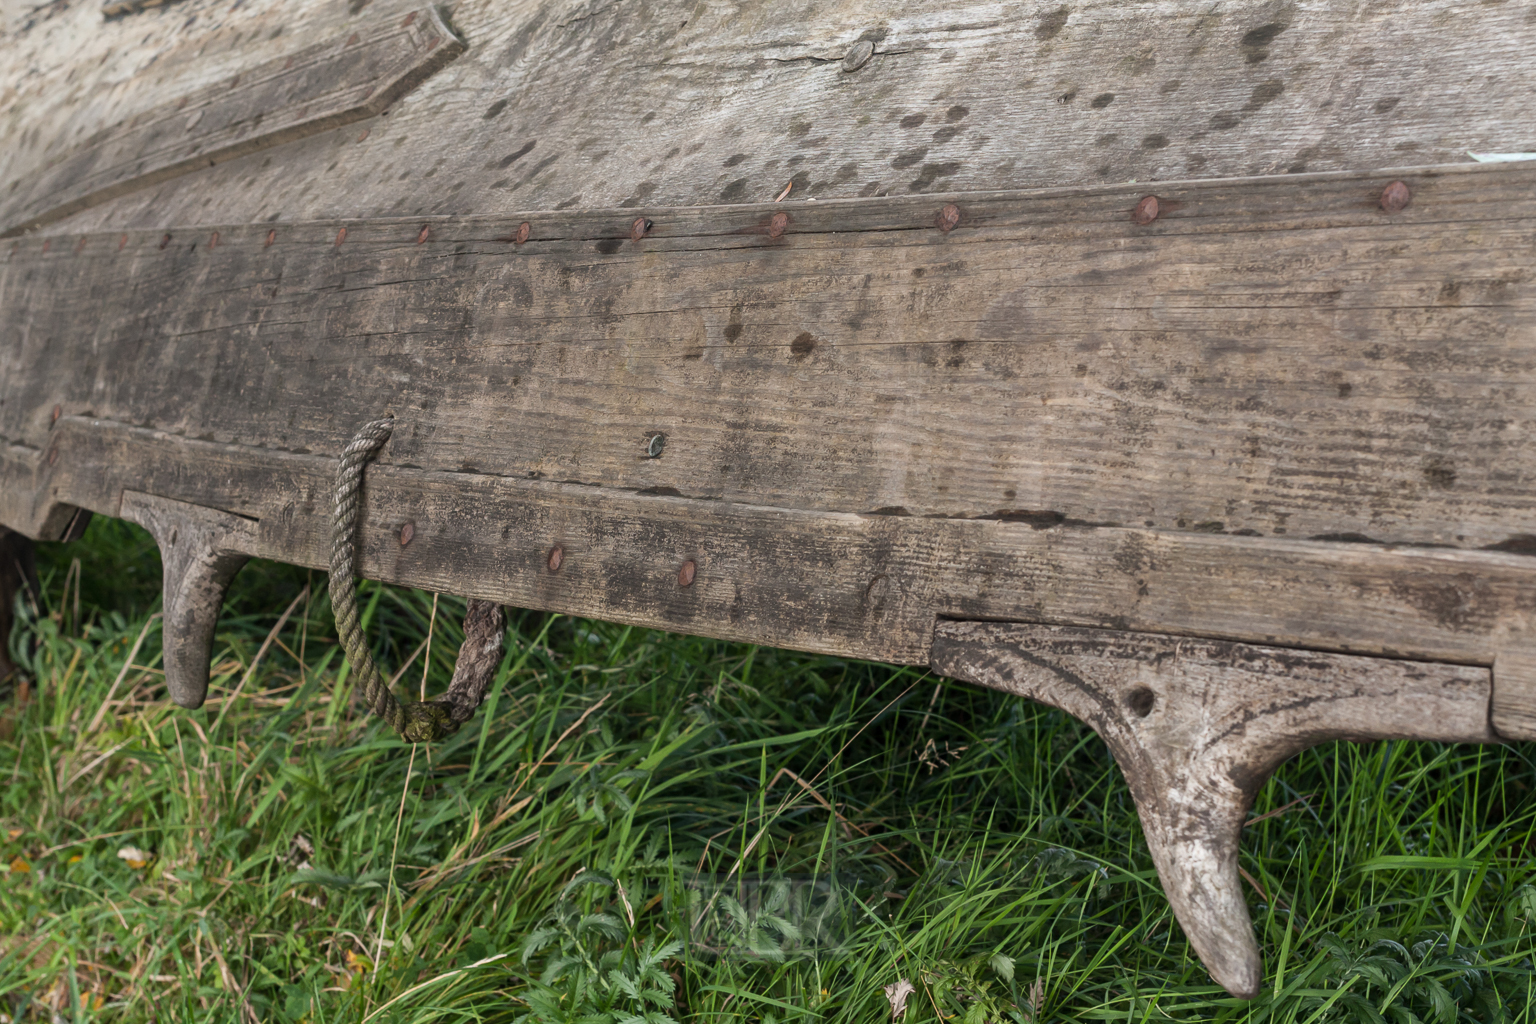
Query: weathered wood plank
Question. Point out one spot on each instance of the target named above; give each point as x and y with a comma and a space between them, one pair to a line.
677, 102
323, 86
1197, 727
1513, 711
1275, 356
859, 586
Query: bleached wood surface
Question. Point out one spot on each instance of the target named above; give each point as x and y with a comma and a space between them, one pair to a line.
600, 103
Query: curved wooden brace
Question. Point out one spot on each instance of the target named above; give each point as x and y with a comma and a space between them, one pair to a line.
1197, 726
201, 550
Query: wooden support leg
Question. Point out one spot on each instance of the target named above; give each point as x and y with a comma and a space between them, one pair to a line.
18, 575
1197, 726
201, 549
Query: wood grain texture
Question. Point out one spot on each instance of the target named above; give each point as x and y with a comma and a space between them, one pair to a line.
1513, 712
852, 585
1276, 356
678, 102
320, 87
114, 8
201, 550
1198, 726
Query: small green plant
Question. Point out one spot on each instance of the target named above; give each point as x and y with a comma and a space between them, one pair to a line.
595, 971
1424, 984
975, 990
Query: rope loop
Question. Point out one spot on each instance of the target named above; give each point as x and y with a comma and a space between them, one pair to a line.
484, 624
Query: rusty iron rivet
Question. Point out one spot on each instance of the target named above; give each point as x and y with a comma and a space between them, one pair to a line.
947, 218
406, 533
1146, 210
58, 411
213, 240
80, 244
654, 446
341, 236
1396, 197
638, 229
685, 574
522, 233
352, 39
271, 237
421, 236
122, 242
363, 136
556, 556
858, 55
165, 241
408, 19
53, 455
777, 225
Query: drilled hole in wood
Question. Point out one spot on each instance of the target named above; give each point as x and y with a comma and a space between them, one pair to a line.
1140, 700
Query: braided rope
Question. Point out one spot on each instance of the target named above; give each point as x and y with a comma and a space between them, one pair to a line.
415, 722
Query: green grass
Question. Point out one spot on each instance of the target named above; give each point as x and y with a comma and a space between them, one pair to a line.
547, 860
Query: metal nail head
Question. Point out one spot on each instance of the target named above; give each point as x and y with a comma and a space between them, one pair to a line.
423, 234
858, 55
1396, 197
1146, 210
655, 445
686, 573
638, 229
341, 236
522, 233
271, 236
406, 533
947, 218
556, 556
58, 411
777, 224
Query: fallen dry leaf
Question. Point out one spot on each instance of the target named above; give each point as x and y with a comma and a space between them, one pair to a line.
896, 993
19, 866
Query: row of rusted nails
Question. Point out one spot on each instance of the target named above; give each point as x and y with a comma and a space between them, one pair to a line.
1394, 199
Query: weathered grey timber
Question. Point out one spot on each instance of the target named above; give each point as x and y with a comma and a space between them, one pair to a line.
201, 550
674, 102
860, 586
1219, 440
320, 87
1274, 356
1197, 726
